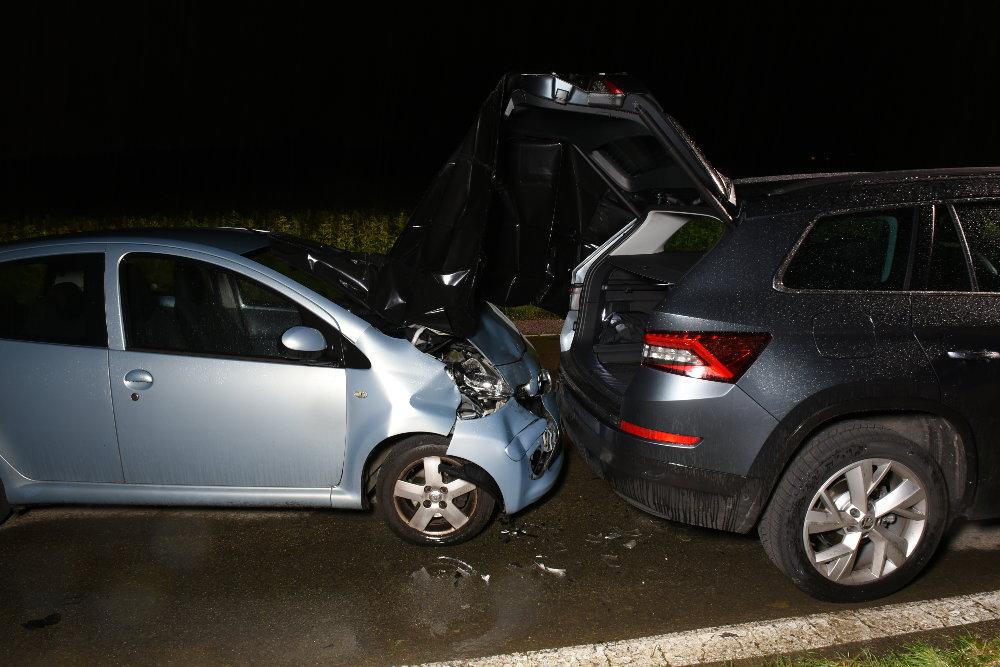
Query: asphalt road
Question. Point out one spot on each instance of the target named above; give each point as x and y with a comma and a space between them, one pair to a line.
83, 585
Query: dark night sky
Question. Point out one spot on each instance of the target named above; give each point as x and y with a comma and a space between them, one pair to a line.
179, 105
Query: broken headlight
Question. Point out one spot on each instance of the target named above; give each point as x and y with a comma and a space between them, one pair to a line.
483, 389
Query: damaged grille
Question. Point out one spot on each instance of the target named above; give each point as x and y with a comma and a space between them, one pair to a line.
534, 405
545, 453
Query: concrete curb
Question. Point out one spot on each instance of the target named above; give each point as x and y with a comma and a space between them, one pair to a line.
764, 638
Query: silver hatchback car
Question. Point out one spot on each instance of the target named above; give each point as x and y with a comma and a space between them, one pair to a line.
203, 367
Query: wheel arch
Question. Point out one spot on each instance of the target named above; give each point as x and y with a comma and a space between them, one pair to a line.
943, 433
381, 451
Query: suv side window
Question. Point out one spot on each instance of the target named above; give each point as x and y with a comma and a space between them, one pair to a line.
56, 299
981, 224
175, 304
867, 250
948, 271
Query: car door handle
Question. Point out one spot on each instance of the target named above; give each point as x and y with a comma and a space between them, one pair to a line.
138, 379
974, 354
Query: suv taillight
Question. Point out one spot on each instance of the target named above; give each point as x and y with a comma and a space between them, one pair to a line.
709, 356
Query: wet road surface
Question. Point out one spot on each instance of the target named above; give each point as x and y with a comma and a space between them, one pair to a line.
128, 585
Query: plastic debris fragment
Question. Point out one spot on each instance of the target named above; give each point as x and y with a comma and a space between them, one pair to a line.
463, 569
554, 571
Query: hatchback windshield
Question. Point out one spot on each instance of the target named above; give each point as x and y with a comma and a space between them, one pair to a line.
271, 260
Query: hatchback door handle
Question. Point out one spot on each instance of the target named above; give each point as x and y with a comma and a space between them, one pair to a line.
138, 379
974, 354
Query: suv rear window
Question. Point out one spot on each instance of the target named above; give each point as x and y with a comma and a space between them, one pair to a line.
858, 251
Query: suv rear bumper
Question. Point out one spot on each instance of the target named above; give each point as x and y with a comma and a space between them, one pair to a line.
643, 474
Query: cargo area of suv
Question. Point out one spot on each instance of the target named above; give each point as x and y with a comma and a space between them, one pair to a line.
623, 283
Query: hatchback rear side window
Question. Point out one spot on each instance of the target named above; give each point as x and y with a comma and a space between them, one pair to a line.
981, 223
856, 251
56, 299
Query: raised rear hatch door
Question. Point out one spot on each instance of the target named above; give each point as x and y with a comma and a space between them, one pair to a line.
552, 166
624, 133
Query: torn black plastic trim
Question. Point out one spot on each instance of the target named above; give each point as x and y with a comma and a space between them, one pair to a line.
551, 167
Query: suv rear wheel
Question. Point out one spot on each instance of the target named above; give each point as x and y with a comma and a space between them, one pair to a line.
857, 515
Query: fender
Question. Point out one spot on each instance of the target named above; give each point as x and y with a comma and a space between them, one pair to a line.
807, 418
405, 391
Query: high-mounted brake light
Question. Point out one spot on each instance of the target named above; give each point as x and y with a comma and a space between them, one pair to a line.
659, 436
604, 93
612, 88
722, 357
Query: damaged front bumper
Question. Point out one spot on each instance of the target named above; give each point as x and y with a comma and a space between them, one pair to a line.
518, 444
526, 436
643, 473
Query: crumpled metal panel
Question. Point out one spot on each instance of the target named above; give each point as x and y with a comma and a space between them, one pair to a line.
512, 214
505, 220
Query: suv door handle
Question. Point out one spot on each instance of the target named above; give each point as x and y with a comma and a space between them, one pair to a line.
138, 379
987, 355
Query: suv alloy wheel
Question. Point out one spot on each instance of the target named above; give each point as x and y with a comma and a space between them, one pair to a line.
857, 515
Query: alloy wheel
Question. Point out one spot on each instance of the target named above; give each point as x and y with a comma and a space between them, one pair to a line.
865, 521
434, 503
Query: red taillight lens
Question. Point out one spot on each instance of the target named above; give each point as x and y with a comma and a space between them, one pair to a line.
709, 356
612, 88
659, 436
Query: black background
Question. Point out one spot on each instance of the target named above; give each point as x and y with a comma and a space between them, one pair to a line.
194, 105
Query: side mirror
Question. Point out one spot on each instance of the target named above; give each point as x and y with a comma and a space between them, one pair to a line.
303, 343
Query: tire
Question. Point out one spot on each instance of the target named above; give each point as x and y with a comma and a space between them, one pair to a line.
419, 512
897, 546
5, 509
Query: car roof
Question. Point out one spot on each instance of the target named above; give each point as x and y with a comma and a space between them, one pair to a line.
232, 239
771, 186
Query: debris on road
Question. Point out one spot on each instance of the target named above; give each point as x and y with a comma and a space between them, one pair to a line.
630, 544
554, 571
512, 530
421, 575
463, 569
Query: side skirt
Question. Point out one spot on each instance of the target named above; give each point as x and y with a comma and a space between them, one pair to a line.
31, 492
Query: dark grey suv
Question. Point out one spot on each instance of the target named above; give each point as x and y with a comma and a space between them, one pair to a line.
828, 372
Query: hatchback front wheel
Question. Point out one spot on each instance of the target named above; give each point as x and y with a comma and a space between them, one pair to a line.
423, 502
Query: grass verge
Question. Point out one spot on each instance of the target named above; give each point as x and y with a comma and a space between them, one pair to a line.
965, 651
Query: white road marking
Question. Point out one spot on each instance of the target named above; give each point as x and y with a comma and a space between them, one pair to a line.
764, 638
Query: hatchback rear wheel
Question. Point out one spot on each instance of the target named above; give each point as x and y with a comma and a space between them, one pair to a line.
857, 515
423, 502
